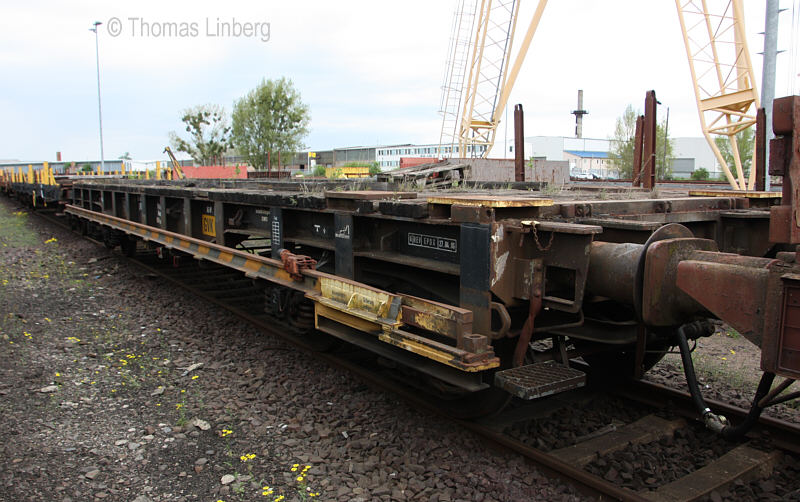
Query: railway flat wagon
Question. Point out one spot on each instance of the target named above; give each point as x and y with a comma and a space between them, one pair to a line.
486, 294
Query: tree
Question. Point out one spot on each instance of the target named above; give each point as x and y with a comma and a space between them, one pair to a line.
700, 174
745, 140
209, 132
125, 156
621, 154
270, 119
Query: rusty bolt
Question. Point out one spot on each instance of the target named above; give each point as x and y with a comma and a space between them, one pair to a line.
474, 343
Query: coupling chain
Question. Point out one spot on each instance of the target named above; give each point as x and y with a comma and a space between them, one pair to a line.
536, 238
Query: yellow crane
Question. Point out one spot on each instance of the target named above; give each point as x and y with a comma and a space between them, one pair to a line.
176, 166
478, 81
722, 74
479, 75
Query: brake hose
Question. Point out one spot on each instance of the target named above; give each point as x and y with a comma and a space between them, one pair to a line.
712, 421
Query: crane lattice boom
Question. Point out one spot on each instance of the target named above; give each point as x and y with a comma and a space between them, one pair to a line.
722, 74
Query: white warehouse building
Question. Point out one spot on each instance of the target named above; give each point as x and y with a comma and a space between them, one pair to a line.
588, 157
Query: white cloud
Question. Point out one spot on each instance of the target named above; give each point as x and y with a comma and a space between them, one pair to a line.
369, 70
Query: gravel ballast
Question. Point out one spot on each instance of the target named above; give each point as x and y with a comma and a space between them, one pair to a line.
119, 386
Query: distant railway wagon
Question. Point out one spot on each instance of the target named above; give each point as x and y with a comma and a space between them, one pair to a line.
484, 294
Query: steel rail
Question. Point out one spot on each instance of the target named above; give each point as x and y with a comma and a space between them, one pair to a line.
787, 434
587, 483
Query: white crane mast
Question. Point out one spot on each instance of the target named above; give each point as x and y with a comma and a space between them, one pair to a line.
479, 75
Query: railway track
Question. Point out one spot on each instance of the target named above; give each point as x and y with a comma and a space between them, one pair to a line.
233, 291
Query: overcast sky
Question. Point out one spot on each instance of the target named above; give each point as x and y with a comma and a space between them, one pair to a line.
370, 71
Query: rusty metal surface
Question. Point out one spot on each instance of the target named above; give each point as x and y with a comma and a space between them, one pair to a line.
295, 264
780, 223
439, 318
612, 268
787, 362
539, 379
670, 231
741, 295
638, 145
745, 231
490, 200
370, 195
785, 161
761, 149
534, 307
649, 142
519, 144
442, 353
663, 303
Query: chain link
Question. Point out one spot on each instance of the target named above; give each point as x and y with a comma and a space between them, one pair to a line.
536, 238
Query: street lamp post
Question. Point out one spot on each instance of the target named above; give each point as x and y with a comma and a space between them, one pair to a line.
99, 106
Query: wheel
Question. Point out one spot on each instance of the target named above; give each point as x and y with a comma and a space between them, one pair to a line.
111, 238
295, 314
128, 246
619, 362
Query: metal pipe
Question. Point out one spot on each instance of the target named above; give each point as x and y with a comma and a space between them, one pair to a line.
766, 400
768, 69
99, 105
519, 144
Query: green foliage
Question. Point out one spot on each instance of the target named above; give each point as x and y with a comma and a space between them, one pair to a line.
209, 133
16, 232
86, 168
374, 169
319, 171
125, 156
621, 154
269, 119
700, 174
745, 141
